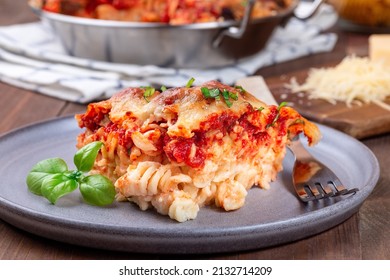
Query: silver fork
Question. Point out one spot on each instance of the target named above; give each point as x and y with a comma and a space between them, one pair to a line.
312, 179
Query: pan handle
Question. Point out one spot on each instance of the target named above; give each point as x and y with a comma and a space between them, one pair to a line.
238, 32
233, 31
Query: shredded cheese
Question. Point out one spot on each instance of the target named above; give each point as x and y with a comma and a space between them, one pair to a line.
355, 80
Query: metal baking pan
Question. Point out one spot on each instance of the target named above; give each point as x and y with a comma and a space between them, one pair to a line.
199, 45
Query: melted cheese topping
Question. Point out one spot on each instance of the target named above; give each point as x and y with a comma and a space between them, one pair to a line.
354, 80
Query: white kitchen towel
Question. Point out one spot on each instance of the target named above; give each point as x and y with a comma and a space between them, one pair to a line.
32, 57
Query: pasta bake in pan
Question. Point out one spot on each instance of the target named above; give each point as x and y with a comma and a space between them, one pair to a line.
178, 149
166, 11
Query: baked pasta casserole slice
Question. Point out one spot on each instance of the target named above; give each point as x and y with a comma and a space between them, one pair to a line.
183, 148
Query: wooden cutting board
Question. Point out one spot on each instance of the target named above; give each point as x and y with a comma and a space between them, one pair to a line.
358, 121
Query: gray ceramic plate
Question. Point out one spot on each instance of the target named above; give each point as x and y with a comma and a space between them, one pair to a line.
269, 217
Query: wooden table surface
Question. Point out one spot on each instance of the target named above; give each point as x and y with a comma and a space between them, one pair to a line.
363, 236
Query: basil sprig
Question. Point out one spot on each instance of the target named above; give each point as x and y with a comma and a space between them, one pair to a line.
52, 179
210, 93
227, 95
216, 93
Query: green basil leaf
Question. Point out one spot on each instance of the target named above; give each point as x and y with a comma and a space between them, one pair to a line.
277, 115
233, 95
97, 190
205, 92
85, 157
214, 92
57, 186
190, 82
43, 170
149, 91
210, 93
281, 105
225, 94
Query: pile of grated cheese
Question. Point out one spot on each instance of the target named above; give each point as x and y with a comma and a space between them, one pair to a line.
355, 80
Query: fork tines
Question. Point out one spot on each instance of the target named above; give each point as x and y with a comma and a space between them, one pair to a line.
318, 191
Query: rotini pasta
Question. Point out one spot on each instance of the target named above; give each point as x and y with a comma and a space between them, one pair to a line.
149, 178
182, 149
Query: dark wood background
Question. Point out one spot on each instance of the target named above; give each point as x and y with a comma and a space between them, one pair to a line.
363, 236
